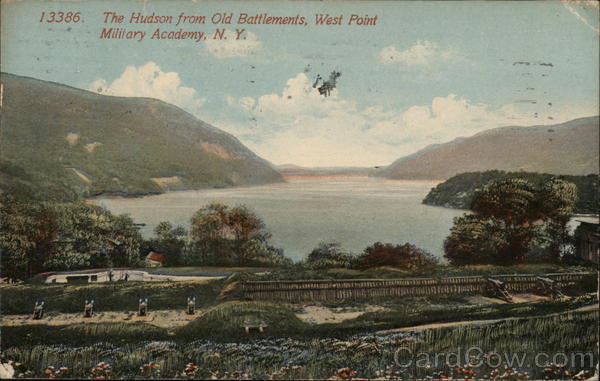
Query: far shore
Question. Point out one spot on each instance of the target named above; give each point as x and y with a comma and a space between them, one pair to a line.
147, 195
341, 176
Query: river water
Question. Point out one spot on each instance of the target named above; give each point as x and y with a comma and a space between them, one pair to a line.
355, 212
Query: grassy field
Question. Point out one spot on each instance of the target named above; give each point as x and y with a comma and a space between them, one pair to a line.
224, 322
290, 347
19, 299
417, 311
123, 296
283, 358
441, 270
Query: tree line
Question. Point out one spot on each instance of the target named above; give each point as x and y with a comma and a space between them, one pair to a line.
219, 235
51, 236
54, 236
510, 221
458, 191
46, 236
328, 255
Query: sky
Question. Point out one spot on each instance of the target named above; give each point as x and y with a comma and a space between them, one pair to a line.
426, 73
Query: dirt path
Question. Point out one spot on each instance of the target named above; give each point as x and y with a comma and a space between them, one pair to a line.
317, 314
170, 319
517, 298
159, 318
423, 327
321, 314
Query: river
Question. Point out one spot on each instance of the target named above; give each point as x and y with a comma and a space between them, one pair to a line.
300, 213
354, 211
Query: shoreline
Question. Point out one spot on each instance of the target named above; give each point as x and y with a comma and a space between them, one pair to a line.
124, 195
146, 195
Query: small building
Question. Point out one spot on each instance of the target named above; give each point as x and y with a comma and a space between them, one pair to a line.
83, 276
259, 325
154, 259
587, 236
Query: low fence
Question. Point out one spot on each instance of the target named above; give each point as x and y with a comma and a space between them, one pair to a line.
307, 290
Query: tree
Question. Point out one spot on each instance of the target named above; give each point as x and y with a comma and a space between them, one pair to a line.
211, 223
511, 205
473, 239
125, 241
511, 201
221, 235
512, 219
259, 253
557, 202
329, 255
27, 237
249, 234
211, 235
405, 256
170, 240
93, 231
37, 236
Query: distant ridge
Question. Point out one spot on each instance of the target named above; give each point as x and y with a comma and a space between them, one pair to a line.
569, 148
59, 142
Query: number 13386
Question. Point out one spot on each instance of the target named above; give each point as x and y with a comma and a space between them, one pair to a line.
58, 17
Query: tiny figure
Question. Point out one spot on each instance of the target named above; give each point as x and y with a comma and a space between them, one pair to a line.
88, 309
38, 310
110, 275
143, 307
191, 305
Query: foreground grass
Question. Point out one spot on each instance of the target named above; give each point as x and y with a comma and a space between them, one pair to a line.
122, 296
570, 333
370, 355
82, 334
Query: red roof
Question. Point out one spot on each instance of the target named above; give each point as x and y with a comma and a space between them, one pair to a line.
154, 256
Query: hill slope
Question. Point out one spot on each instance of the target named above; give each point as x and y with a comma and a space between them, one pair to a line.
570, 148
58, 142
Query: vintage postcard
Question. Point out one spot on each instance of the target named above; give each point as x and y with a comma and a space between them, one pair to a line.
386, 190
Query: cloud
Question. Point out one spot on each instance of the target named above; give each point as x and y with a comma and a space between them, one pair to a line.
423, 53
246, 45
302, 127
150, 81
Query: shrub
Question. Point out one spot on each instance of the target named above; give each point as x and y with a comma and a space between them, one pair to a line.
329, 255
405, 256
227, 320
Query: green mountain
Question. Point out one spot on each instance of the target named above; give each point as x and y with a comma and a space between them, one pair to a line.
569, 148
63, 143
